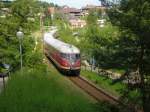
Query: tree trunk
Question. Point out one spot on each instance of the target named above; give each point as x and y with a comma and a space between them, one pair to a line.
143, 87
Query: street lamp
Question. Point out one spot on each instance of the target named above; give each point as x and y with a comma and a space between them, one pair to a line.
20, 37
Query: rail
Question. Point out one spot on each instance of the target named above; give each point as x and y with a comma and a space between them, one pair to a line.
98, 93
94, 91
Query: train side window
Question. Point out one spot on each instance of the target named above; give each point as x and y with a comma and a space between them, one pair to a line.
63, 55
67, 56
77, 56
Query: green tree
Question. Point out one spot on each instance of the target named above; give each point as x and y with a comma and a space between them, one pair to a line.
101, 42
91, 34
133, 18
20, 16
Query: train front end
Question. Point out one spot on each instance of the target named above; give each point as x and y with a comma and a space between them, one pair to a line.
71, 63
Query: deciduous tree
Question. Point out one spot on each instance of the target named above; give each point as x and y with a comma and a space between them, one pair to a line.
133, 18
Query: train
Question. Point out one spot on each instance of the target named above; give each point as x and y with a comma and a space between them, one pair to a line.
65, 56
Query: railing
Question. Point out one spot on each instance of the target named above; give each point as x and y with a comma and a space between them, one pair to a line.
131, 77
3, 76
102, 72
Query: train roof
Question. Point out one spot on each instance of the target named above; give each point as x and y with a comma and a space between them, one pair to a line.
59, 45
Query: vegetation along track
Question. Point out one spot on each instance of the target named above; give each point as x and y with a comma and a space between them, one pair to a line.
97, 93
92, 90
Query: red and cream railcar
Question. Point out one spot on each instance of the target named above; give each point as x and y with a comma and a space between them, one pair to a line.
65, 56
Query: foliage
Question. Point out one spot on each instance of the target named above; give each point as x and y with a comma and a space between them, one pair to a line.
105, 47
92, 18
65, 33
91, 33
132, 17
5, 3
20, 17
105, 83
104, 44
47, 19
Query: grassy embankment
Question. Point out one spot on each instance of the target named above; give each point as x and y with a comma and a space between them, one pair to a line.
117, 89
43, 91
104, 82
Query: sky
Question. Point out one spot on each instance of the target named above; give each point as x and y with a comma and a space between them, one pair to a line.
74, 3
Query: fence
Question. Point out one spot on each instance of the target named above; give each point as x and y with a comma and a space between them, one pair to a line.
102, 72
3, 76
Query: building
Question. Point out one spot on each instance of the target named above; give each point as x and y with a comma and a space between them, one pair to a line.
71, 11
101, 22
87, 8
51, 11
77, 23
5, 12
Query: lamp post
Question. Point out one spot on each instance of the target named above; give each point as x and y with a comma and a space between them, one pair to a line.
20, 37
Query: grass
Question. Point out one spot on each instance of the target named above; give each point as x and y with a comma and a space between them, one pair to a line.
38, 91
117, 89
105, 83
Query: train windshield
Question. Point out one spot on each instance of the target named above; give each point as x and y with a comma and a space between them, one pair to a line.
71, 57
74, 56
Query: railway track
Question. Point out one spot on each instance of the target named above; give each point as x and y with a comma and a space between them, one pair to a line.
92, 90
97, 93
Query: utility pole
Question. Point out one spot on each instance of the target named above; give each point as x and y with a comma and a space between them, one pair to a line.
20, 37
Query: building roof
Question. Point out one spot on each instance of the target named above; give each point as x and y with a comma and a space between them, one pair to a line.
70, 10
87, 7
59, 45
